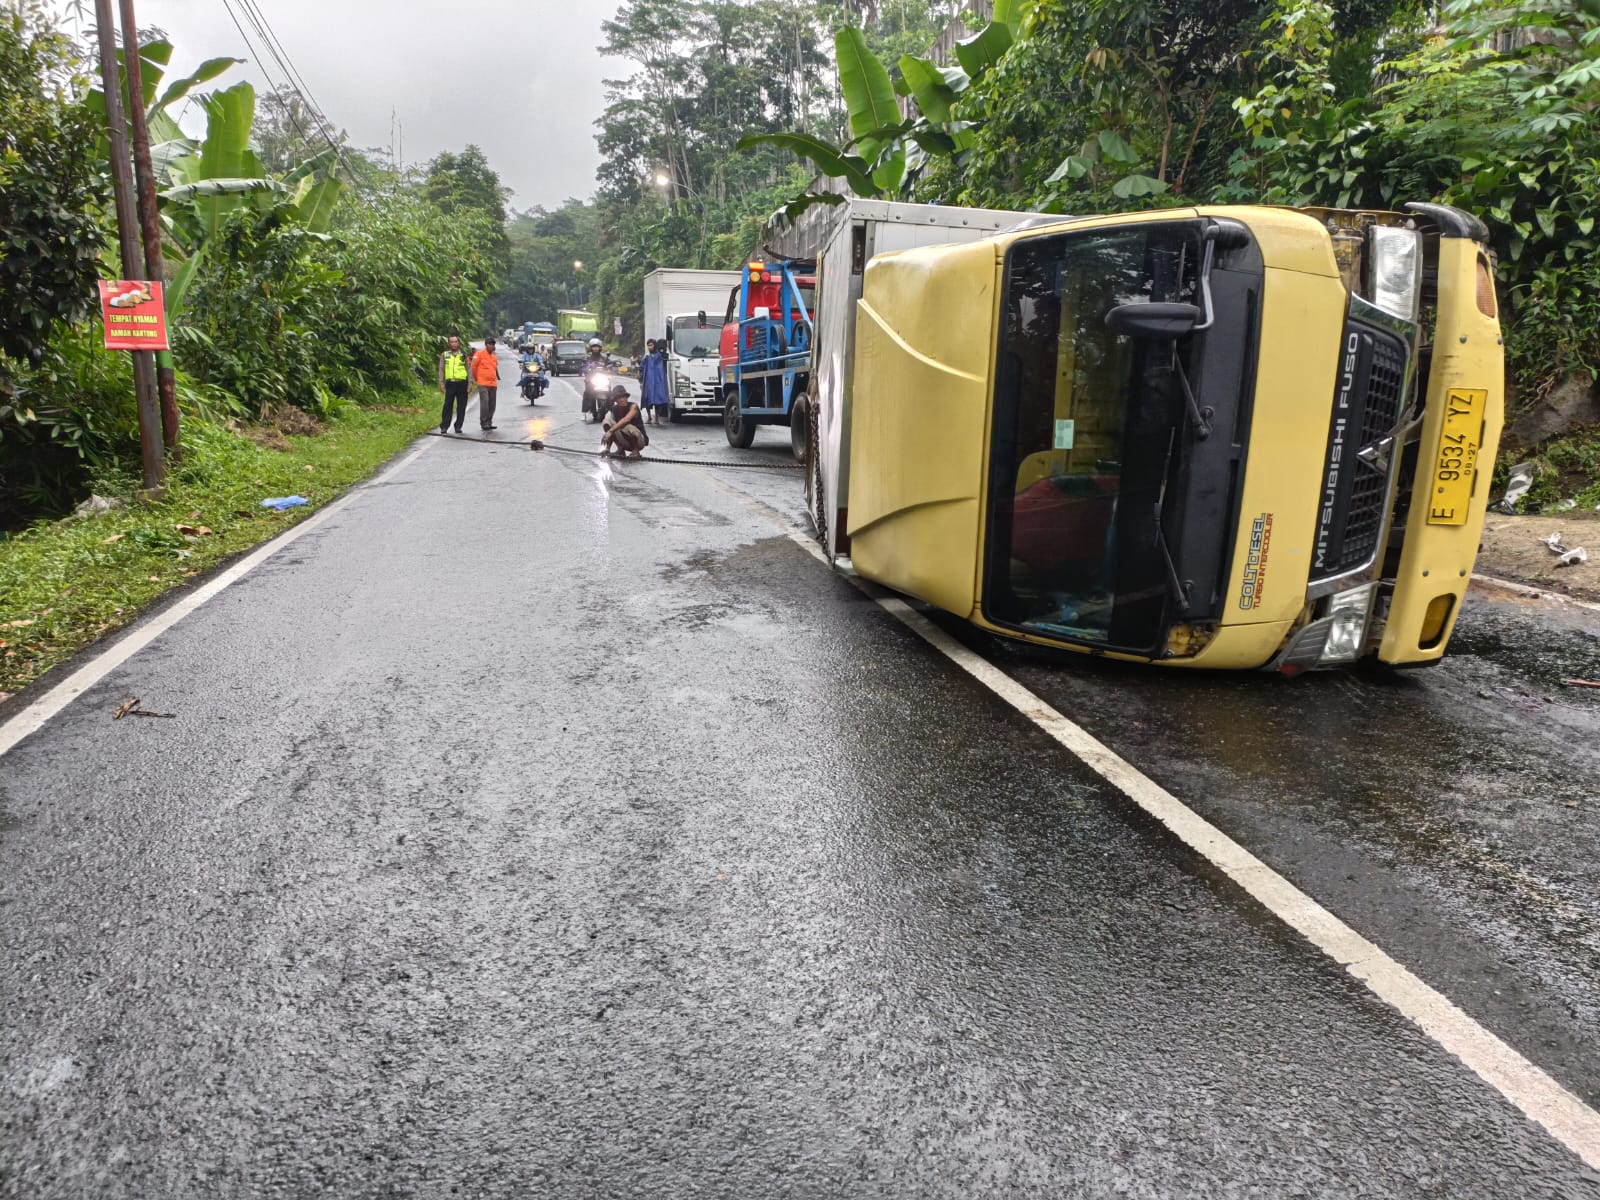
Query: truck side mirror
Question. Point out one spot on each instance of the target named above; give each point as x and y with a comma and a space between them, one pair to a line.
702, 316
1153, 322
666, 338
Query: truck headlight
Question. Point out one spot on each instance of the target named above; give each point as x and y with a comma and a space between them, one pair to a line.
1394, 270
684, 388
1347, 624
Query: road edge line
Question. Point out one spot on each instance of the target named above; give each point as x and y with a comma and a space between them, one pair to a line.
33, 716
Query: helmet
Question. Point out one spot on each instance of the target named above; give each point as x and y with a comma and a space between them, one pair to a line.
594, 343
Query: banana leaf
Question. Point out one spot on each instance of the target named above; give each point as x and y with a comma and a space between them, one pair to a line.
982, 50
206, 189
830, 160
314, 201
928, 88
868, 94
180, 88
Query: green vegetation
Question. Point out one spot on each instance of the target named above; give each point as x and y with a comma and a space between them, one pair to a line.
287, 287
310, 288
1115, 105
65, 583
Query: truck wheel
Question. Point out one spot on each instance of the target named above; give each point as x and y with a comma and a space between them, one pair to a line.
674, 414
800, 427
741, 430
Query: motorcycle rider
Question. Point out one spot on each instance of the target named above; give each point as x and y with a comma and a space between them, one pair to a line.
596, 362
532, 382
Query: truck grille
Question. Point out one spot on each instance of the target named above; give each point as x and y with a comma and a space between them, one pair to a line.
1367, 404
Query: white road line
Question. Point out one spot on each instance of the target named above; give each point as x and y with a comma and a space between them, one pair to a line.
33, 717
1541, 1098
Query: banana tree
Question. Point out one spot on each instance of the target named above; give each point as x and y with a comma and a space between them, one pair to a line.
888, 150
223, 175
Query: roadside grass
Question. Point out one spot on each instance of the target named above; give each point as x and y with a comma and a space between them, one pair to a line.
65, 583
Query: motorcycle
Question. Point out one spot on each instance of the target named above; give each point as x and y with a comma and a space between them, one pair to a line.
534, 381
596, 394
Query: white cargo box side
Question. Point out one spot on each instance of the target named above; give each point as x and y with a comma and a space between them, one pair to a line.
674, 291
859, 230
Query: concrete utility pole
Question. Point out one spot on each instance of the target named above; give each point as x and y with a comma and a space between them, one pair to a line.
149, 215
144, 367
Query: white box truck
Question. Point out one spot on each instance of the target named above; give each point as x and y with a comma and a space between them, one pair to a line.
684, 310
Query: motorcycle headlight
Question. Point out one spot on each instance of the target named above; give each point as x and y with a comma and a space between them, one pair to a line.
1394, 270
597, 380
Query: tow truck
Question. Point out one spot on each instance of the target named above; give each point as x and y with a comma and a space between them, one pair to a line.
765, 351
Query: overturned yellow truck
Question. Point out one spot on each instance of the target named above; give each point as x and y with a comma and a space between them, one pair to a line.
1228, 437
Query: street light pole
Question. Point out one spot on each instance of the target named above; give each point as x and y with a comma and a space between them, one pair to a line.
144, 367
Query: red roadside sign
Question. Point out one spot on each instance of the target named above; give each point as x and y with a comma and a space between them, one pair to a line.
135, 314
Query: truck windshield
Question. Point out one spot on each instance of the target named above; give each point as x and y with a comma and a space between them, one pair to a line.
692, 340
1086, 432
571, 350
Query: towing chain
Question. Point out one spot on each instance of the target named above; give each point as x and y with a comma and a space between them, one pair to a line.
540, 444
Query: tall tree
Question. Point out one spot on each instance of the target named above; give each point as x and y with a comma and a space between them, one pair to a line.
51, 188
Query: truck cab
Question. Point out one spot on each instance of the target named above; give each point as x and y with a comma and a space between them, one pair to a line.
1213, 437
765, 351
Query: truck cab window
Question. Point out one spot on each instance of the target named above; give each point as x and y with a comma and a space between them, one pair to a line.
1084, 436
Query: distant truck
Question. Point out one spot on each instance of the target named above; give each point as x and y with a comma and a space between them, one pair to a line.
576, 323
1226, 437
683, 310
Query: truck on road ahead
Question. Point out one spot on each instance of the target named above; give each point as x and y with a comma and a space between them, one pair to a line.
683, 310
1235, 437
576, 323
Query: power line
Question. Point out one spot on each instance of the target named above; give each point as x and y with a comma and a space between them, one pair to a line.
266, 71
292, 81
296, 80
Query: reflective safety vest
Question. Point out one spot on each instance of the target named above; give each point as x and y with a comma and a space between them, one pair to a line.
455, 365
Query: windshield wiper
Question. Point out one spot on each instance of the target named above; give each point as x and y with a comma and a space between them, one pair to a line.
1180, 589
1199, 417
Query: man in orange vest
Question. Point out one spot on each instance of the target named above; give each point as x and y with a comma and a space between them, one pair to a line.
486, 374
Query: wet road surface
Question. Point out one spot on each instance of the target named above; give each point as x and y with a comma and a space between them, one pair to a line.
538, 825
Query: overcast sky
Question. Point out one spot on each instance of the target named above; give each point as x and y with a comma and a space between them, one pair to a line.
521, 78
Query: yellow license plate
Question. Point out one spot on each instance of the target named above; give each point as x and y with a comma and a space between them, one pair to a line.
1455, 465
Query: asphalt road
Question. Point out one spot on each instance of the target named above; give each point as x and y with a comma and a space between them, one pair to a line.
544, 826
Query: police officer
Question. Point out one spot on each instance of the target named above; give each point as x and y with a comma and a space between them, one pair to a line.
453, 383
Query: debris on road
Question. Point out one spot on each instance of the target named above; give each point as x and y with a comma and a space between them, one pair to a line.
1570, 556
1517, 487
1588, 683
279, 503
130, 708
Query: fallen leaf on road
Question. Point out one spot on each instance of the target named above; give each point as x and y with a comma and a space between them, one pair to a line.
130, 708
193, 530
20, 624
